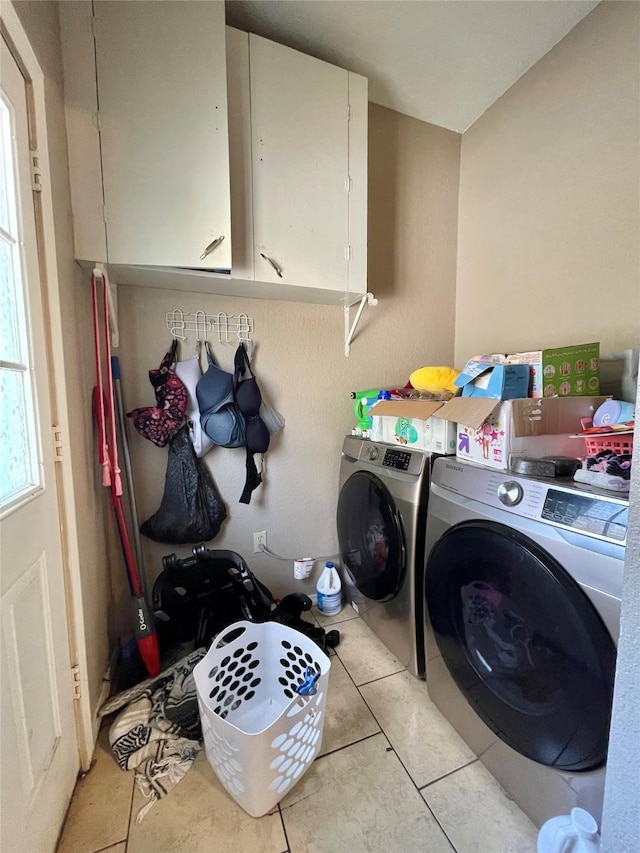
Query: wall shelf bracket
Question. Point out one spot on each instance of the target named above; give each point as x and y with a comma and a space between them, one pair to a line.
350, 327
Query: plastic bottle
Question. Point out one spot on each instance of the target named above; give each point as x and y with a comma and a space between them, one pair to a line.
329, 590
574, 833
364, 400
613, 412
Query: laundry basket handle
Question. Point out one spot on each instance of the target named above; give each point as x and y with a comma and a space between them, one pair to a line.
237, 629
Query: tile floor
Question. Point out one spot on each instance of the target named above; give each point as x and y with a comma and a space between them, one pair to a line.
392, 776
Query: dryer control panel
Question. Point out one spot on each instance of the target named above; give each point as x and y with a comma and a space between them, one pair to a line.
383, 456
398, 459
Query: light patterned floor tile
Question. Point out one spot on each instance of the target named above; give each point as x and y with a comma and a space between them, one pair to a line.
347, 717
356, 797
99, 812
478, 816
198, 816
360, 799
345, 614
426, 743
364, 656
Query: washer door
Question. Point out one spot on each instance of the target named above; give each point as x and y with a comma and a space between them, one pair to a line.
523, 643
370, 536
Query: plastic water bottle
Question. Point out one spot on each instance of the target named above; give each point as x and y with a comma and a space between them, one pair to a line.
329, 590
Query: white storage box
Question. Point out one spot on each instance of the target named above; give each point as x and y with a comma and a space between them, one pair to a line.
260, 735
409, 423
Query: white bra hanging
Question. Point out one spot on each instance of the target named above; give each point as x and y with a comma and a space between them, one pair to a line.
189, 373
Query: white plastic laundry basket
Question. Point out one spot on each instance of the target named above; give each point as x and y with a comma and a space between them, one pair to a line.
260, 735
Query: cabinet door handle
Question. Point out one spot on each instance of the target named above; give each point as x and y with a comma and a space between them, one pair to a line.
213, 245
273, 264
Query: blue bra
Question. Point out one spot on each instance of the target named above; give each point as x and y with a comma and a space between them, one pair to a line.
219, 416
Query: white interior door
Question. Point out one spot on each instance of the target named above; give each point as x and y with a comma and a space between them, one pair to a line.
38, 736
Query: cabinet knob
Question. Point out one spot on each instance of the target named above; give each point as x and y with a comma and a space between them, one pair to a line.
213, 245
273, 264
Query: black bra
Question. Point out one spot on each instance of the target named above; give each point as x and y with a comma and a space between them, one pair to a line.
248, 400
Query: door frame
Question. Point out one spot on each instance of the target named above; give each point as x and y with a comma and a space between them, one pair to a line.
16, 38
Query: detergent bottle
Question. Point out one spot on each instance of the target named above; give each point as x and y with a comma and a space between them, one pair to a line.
574, 833
329, 590
363, 401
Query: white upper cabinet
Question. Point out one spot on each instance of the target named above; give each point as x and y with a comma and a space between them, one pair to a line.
308, 150
162, 97
206, 159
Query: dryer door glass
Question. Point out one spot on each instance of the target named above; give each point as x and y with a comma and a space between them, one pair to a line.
370, 537
523, 643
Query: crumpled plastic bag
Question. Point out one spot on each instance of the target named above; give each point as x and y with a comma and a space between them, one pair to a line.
192, 509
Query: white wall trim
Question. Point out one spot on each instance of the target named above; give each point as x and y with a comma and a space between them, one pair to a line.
26, 58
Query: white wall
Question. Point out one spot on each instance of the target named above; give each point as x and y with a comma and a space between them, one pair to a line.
300, 361
621, 817
548, 249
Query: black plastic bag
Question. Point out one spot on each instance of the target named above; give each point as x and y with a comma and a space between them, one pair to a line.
191, 509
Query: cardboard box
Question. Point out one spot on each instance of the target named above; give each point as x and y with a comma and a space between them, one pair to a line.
493, 433
494, 381
564, 372
410, 423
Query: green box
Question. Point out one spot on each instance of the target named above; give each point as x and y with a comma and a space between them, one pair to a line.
563, 372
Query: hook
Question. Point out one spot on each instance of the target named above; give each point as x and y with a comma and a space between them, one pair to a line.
244, 328
176, 324
222, 326
202, 326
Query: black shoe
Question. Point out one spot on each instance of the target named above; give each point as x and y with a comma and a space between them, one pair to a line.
333, 639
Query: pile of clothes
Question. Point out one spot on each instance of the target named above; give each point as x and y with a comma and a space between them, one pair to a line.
157, 732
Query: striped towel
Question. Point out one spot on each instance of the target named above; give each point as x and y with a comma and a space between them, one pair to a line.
158, 733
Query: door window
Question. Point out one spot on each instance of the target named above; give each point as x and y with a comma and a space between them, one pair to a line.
19, 460
523, 643
370, 536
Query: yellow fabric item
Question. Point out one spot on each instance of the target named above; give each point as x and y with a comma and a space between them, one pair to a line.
434, 379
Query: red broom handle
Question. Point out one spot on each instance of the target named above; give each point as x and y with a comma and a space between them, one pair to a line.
103, 452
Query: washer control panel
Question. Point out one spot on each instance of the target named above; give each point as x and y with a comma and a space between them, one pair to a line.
586, 514
560, 503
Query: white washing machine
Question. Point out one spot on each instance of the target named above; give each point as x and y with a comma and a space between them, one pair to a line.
381, 519
523, 583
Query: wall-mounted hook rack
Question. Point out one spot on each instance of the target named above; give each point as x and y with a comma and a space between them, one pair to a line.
221, 326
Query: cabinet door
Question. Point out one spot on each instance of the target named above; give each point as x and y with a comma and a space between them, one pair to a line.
300, 155
239, 97
162, 99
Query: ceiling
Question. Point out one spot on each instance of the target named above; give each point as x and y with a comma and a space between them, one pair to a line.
442, 61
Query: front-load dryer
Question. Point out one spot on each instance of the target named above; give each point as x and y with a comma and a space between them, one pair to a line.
523, 583
381, 519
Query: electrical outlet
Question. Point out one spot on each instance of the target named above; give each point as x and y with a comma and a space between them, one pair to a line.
259, 538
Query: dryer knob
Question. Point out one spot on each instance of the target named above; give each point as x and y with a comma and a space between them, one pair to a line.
510, 493
373, 452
